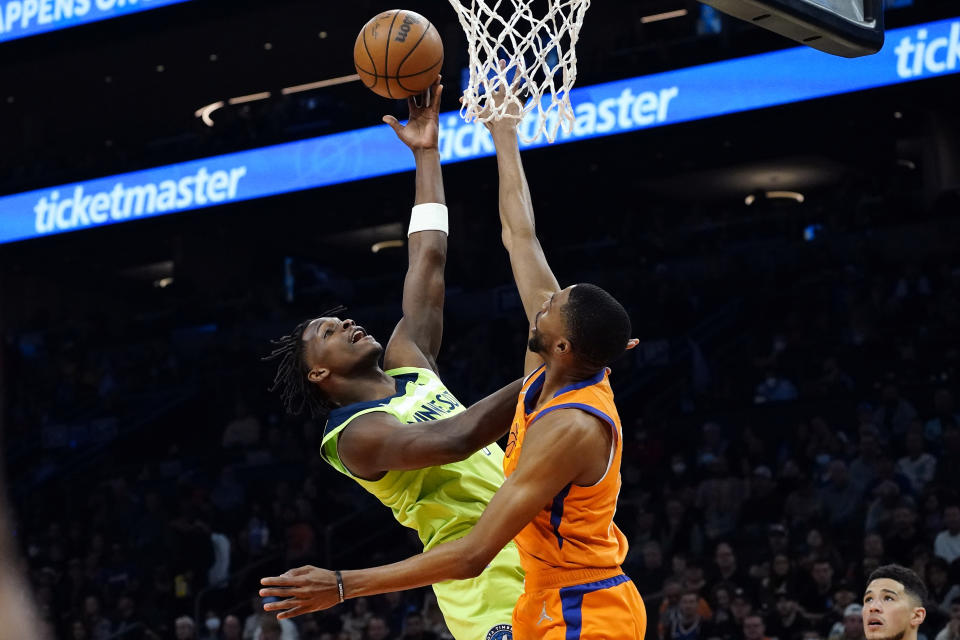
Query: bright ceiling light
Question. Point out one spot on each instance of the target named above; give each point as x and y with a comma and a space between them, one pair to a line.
385, 244
320, 84
204, 113
796, 196
263, 95
667, 15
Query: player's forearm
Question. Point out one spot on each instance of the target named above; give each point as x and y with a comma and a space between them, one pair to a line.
450, 561
429, 178
489, 419
516, 205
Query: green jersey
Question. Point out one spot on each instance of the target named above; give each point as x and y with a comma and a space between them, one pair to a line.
440, 503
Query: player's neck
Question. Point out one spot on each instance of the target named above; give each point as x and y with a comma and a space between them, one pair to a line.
364, 387
557, 378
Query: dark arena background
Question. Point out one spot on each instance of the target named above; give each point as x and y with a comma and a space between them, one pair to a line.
788, 254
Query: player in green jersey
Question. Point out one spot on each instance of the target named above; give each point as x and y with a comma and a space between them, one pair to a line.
381, 429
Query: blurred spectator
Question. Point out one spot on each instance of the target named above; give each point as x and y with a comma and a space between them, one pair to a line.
774, 388
863, 470
817, 596
355, 620
764, 504
232, 629
895, 413
903, 536
950, 456
741, 607
754, 628
917, 466
786, 623
679, 531
126, 625
947, 543
78, 630
243, 430
651, 572
951, 631
873, 547
712, 444
414, 628
803, 506
98, 625
851, 628
270, 628
377, 629
944, 415
433, 617
726, 569
719, 498
840, 497
211, 626
185, 628
687, 624
941, 589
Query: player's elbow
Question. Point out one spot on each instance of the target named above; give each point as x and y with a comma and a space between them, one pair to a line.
430, 252
518, 238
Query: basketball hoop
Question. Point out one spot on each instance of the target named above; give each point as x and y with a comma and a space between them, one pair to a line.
540, 51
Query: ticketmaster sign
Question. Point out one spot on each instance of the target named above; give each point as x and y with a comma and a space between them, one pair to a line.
913, 53
22, 18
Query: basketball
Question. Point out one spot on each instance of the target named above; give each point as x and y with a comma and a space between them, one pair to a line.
398, 54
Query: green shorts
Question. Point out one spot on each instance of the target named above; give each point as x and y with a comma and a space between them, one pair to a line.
481, 608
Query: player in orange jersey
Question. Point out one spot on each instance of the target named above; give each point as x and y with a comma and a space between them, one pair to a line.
562, 462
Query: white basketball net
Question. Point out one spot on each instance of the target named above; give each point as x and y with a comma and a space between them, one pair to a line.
542, 50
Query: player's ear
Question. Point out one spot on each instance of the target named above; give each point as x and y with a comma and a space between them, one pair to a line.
562, 346
317, 375
919, 615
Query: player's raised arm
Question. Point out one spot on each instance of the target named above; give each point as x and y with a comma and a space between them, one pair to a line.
416, 339
564, 449
531, 272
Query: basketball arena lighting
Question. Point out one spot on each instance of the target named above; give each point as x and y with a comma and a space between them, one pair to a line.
253, 97
916, 53
385, 244
320, 84
666, 15
206, 113
796, 196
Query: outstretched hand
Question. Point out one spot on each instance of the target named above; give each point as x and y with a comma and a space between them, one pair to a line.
514, 111
422, 130
305, 589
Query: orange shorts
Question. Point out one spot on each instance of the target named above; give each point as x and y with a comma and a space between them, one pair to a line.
609, 609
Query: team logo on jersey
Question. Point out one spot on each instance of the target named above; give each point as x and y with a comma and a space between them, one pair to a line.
544, 615
501, 632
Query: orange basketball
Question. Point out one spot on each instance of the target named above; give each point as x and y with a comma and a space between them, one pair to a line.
398, 54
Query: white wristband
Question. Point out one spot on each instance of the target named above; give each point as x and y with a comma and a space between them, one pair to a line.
428, 217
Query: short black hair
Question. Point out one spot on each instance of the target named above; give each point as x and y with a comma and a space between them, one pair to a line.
912, 583
598, 326
296, 392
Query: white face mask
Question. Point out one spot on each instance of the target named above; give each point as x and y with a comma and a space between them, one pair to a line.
213, 624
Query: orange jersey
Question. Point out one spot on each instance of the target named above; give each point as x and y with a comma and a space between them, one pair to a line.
574, 536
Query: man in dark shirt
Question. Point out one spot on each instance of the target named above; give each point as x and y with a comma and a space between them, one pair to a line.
817, 597
787, 622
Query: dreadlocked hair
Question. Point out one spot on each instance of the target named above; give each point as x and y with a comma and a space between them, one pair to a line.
296, 392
